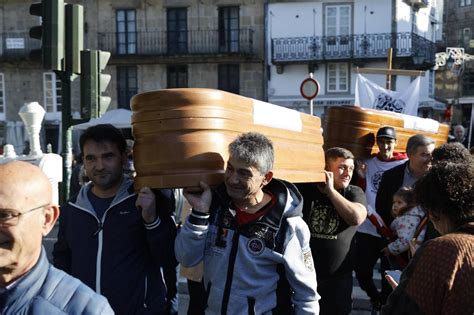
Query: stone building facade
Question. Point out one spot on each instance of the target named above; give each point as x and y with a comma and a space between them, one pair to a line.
458, 90
155, 44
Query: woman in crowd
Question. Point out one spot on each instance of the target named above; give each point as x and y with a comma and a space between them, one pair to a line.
440, 278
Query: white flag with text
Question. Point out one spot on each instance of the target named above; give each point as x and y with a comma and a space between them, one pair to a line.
370, 95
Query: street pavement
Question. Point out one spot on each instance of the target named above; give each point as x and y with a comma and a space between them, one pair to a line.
361, 304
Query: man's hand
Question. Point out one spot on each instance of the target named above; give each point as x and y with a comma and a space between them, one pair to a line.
328, 186
199, 199
146, 202
361, 168
386, 251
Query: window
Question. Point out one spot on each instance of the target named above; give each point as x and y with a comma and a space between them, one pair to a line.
463, 3
229, 29
177, 76
468, 83
466, 36
52, 92
337, 77
228, 78
338, 23
177, 31
126, 32
126, 86
431, 83
2, 95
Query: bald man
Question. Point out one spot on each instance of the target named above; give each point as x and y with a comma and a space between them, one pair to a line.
28, 283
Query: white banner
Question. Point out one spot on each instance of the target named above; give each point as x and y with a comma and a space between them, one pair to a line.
370, 95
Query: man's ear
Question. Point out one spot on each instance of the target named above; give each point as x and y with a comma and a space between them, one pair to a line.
268, 177
51, 214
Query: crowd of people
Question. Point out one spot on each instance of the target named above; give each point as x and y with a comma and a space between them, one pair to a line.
256, 244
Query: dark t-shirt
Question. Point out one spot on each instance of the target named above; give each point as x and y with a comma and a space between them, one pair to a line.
99, 204
331, 236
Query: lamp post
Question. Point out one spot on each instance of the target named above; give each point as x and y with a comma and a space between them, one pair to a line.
454, 58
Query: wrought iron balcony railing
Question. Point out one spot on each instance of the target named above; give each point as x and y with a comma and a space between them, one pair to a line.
17, 45
358, 46
169, 43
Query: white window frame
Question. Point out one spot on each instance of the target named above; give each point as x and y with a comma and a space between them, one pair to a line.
50, 96
431, 83
338, 76
338, 25
3, 100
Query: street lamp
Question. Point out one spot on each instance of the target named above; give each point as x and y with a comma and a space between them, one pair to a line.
454, 58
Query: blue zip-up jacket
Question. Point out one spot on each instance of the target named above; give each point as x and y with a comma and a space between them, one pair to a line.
242, 263
47, 290
117, 255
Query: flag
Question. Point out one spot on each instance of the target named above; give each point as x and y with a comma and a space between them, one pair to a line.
370, 95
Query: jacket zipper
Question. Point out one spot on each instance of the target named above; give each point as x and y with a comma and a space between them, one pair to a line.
146, 292
100, 239
230, 272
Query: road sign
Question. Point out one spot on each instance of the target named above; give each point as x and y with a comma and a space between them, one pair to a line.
309, 88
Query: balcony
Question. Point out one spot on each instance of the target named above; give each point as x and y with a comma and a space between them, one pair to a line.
182, 43
17, 46
356, 46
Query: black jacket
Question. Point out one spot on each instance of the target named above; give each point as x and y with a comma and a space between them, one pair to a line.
117, 255
391, 181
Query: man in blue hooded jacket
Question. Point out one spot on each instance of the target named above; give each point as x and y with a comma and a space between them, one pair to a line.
28, 283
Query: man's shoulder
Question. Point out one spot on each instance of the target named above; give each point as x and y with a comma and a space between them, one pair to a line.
61, 292
396, 170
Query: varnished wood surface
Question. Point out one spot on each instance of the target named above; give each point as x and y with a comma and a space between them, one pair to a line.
354, 128
181, 137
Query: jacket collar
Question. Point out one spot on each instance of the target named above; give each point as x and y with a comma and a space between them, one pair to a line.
125, 190
28, 286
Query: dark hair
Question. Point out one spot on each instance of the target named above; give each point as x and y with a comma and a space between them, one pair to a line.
417, 141
337, 152
104, 133
254, 149
407, 194
448, 189
453, 152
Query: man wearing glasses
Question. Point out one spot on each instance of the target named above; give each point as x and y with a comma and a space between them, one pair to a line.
28, 283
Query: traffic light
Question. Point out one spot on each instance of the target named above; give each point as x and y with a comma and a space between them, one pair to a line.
74, 37
51, 32
94, 83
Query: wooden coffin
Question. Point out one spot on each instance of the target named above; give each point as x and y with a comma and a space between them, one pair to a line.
354, 128
181, 137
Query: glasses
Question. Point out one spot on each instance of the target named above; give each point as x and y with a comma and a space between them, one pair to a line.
10, 217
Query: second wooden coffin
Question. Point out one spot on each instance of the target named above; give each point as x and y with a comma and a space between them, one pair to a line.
354, 128
181, 137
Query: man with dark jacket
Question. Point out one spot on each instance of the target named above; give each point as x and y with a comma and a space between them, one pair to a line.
419, 149
28, 283
112, 239
250, 234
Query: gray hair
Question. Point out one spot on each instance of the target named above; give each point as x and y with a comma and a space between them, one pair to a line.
418, 141
254, 149
460, 127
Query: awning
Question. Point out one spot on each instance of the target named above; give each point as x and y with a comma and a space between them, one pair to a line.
434, 104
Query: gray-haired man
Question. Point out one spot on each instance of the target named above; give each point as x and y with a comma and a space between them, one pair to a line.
250, 234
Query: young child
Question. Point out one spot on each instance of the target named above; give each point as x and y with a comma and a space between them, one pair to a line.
407, 219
